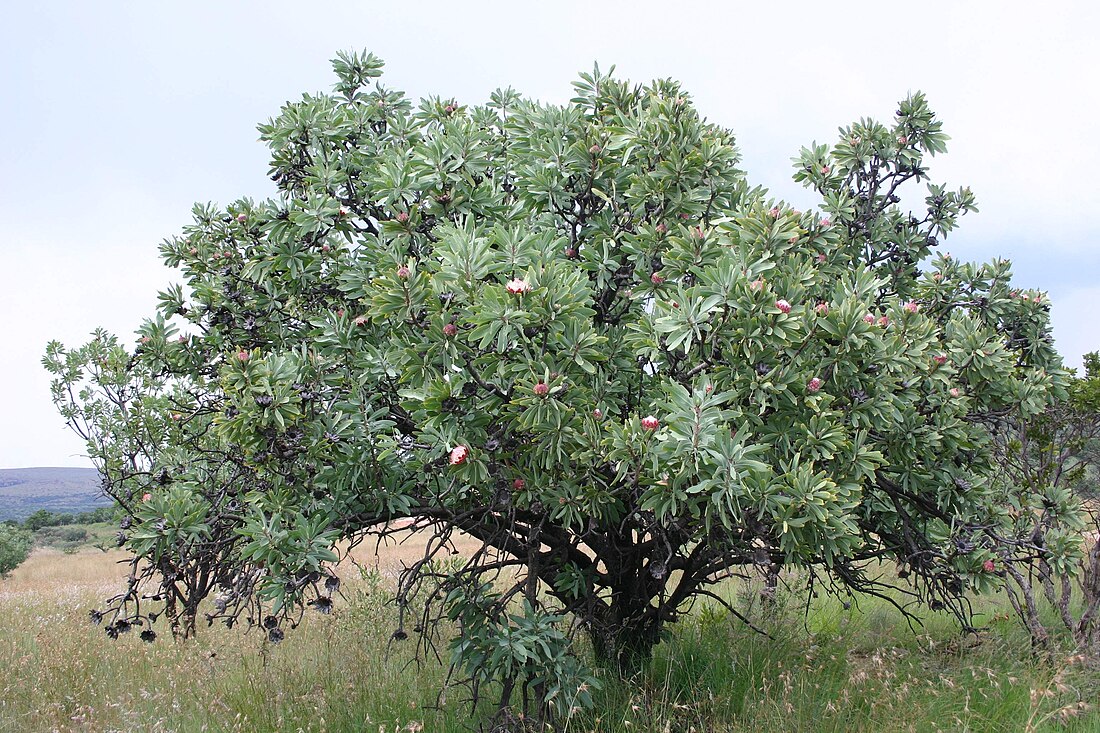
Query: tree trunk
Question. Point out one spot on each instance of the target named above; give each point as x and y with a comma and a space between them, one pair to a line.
623, 637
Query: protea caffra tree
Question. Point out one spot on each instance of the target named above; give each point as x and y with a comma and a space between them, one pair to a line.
579, 335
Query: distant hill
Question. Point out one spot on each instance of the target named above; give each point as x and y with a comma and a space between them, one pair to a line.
24, 491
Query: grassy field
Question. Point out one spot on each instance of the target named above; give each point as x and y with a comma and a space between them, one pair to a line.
840, 670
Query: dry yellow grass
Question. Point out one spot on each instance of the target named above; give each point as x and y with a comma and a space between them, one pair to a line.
60, 673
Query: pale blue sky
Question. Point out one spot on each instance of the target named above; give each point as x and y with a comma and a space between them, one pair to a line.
118, 115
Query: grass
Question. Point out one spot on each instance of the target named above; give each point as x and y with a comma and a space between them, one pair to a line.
837, 670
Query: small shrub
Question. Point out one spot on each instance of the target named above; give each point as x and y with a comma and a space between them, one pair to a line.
15, 545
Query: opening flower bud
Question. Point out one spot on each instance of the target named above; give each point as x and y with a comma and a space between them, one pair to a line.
459, 454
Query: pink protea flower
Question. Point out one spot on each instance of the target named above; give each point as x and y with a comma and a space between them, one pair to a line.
954, 392
339, 312
570, 252
459, 454
146, 339
518, 484
541, 389
814, 384
820, 258
902, 140
595, 149
660, 228
146, 496
869, 319
793, 239
656, 278
326, 248
194, 250
597, 413
756, 284
243, 355
242, 218
822, 309
403, 272
940, 359
783, 306
361, 320
773, 212
912, 306
698, 232
937, 276
517, 286
824, 170
402, 217
450, 330
344, 211
989, 566
884, 321
826, 223
650, 423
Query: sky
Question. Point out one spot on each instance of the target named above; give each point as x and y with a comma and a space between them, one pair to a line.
118, 116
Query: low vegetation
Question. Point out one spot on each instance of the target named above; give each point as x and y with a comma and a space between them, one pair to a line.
841, 669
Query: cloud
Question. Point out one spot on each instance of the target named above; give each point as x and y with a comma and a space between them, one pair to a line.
1076, 326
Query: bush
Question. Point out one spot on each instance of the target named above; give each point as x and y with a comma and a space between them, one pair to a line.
65, 538
15, 545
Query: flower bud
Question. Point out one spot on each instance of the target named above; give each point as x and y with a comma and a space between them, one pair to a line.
459, 454
517, 286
